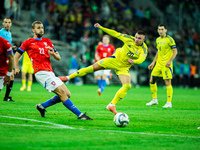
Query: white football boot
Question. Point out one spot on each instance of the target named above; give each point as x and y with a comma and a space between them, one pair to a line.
152, 102
168, 105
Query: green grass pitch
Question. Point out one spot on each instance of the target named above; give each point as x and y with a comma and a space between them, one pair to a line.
154, 127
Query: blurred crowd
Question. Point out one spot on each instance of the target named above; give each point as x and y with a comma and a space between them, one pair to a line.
72, 22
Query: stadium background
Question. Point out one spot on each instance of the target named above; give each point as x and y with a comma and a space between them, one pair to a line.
69, 24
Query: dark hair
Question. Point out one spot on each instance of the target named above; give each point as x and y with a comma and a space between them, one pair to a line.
140, 32
7, 18
35, 22
162, 25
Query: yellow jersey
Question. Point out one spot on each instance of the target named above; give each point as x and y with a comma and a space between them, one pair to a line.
165, 48
129, 50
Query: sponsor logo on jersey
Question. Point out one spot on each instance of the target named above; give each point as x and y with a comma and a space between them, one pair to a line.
45, 43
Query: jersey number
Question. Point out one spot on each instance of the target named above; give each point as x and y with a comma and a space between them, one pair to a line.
104, 54
130, 54
41, 50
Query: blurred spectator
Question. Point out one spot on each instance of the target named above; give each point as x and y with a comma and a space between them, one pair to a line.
8, 7
70, 33
16, 9
105, 10
73, 67
84, 65
49, 23
140, 12
62, 5
51, 7
184, 74
177, 73
193, 69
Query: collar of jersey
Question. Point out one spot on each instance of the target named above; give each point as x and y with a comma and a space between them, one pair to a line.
4, 30
37, 39
105, 46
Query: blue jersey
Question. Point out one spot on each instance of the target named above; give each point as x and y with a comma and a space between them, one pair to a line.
6, 35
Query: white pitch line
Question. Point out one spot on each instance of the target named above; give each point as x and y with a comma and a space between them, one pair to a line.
55, 124
60, 126
26, 125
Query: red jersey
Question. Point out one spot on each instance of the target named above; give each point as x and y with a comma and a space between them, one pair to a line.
38, 53
5, 49
105, 51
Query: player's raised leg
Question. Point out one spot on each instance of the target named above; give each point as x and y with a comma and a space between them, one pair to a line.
82, 72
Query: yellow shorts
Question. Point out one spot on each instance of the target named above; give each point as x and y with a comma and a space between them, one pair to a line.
27, 68
165, 72
113, 63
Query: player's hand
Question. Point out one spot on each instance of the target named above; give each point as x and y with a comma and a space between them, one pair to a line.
150, 67
17, 70
51, 50
97, 25
131, 61
14, 48
168, 64
6, 80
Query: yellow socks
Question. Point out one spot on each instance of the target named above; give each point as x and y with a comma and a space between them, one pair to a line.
153, 88
121, 93
82, 72
24, 82
29, 83
169, 93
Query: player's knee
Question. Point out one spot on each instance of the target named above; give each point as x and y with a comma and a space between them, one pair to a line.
127, 86
153, 80
63, 94
69, 95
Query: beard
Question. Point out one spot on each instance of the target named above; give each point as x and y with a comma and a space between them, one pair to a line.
39, 35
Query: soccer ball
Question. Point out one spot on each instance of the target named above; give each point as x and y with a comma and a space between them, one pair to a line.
121, 119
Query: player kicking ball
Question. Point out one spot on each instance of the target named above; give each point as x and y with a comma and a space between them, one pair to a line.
134, 51
39, 50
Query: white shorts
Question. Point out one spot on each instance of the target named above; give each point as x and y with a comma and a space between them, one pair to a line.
48, 80
72, 71
102, 72
1, 82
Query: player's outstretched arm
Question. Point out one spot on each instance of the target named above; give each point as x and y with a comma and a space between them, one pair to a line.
108, 31
16, 62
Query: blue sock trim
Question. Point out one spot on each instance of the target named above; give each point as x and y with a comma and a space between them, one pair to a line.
51, 101
99, 82
68, 103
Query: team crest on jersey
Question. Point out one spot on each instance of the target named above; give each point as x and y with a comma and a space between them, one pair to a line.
101, 61
109, 49
137, 52
53, 83
45, 43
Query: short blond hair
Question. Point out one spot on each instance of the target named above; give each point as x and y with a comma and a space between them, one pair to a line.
36, 22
